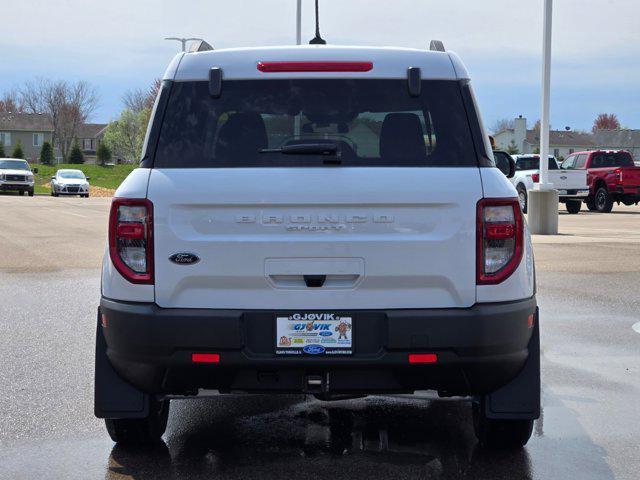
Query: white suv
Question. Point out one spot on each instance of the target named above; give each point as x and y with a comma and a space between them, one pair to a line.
317, 219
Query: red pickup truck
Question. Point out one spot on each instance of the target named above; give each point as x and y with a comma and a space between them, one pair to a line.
611, 176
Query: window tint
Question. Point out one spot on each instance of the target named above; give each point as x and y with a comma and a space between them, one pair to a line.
372, 122
611, 159
581, 160
533, 163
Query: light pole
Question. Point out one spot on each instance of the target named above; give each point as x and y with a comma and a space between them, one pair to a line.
183, 41
546, 87
299, 23
543, 200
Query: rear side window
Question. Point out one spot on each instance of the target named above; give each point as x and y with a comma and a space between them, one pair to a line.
613, 159
581, 160
533, 163
372, 123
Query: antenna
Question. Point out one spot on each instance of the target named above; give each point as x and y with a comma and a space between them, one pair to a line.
317, 40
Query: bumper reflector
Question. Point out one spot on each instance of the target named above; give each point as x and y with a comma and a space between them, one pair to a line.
530, 321
423, 358
205, 358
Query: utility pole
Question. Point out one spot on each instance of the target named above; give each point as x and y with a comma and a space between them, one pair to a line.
543, 200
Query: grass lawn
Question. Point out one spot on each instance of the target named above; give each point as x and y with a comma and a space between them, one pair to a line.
105, 177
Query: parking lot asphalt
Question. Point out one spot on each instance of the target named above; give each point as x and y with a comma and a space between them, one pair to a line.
589, 295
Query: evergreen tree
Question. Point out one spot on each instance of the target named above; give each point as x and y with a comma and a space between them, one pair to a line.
75, 156
17, 151
512, 148
46, 154
103, 154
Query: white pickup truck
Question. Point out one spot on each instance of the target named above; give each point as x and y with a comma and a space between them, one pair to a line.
571, 184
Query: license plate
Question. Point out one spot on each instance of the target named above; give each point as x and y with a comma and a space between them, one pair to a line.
314, 334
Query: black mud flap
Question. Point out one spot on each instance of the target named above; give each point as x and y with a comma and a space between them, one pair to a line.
520, 398
113, 396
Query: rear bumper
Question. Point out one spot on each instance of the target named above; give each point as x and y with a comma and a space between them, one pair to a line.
573, 194
627, 192
479, 349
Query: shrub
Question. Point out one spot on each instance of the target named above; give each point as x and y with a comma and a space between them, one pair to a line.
75, 155
103, 154
17, 151
46, 154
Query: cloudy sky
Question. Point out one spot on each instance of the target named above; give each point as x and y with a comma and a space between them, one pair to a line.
117, 44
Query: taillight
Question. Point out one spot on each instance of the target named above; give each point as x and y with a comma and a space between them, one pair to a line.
535, 177
275, 67
131, 238
618, 173
500, 242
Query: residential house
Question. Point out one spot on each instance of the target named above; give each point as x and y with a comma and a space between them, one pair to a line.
89, 137
30, 129
561, 142
623, 139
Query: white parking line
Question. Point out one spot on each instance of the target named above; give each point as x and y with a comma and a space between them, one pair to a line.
636, 327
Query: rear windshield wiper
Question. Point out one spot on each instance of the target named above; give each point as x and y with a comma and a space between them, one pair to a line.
304, 149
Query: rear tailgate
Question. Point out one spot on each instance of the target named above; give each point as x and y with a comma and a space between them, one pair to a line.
404, 238
630, 176
568, 179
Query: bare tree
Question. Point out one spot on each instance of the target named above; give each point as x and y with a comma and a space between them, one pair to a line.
10, 101
69, 105
502, 124
139, 99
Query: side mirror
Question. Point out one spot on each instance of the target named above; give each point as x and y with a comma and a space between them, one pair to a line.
34, 170
505, 164
87, 178
53, 178
512, 168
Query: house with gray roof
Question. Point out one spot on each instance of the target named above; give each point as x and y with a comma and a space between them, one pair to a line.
30, 129
623, 139
561, 142
564, 142
89, 137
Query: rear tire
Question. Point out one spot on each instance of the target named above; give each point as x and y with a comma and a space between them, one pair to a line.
523, 198
603, 201
500, 434
573, 206
140, 431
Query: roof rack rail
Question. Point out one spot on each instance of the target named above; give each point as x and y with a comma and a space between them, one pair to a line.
436, 46
200, 46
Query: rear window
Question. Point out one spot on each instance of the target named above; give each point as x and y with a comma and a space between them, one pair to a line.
613, 159
533, 163
372, 123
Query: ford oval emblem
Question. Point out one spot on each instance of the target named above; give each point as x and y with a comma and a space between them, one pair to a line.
324, 333
313, 349
184, 258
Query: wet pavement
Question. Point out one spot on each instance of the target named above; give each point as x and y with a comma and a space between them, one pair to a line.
590, 428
